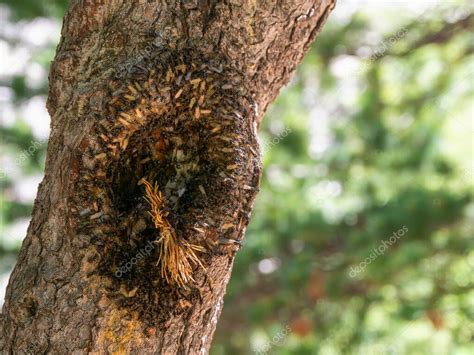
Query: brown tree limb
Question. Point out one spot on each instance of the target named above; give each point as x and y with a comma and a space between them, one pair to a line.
170, 92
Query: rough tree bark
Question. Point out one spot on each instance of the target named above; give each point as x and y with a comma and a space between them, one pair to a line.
165, 92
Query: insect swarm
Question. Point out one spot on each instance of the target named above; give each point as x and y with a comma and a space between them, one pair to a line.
167, 162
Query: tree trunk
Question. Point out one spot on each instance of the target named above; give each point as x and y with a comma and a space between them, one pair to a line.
151, 171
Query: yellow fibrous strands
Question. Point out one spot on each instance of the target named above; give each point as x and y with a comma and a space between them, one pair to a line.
177, 256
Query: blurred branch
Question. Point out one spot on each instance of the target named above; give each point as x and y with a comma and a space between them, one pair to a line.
442, 36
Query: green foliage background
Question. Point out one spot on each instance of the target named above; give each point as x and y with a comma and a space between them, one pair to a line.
374, 135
